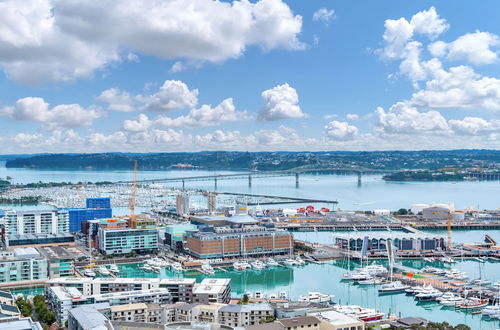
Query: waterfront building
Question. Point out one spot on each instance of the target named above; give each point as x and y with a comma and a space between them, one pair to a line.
96, 208
237, 315
130, 313
436, 213
300, 322
181, 289
246, 241
98, 203
36, 222
333, 320
64, 299
8, 307
22, 264
182, 204
237, 220
35, 240
60, 261
175, 234
212, 290
127, 240
377, 241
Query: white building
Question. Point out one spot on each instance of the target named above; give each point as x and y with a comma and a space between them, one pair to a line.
22, 264
235, 315
212, 290
36, 222
332, 320
182, 204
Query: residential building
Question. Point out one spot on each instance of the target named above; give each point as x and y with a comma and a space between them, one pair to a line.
182, 204
22, 264
127, 240
236, 315
60, 261
246, 241
16, 323
36, 222
175, 234
32, 240
78, 216
130, 313
181, 289
86, 318
212, 290
8, 307
333, 320
300, 322
64, 299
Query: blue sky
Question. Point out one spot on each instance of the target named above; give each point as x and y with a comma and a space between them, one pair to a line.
188, 75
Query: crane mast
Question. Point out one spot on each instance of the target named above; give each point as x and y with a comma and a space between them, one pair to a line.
449, 230
132, 198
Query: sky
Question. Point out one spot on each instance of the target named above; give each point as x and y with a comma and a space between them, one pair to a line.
261, 75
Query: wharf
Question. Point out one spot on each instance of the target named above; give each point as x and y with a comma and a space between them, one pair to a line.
386, 226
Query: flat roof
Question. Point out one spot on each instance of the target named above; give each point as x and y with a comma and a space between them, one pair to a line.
335, 318
128, 307
35, 236
299, 321
88, 317
55, 252
387, 235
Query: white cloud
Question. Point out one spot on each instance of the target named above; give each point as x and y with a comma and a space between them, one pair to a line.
352, 116
173, 94
340, 130
43, 40
177, 67
206, 116
26, 139
402, 118
324, 15
474, 126
474, 48
429, 23
438, 48
396, 35
331, 116
281, 102
35, 109
141, 124
117, 100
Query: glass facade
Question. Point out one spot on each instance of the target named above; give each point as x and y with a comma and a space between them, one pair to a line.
23, 270
36, 222
78, 216
128, 240
98, 203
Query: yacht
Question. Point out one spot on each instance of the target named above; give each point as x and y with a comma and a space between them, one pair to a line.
177, 267
103, 270
393, 287
147, 267
156, 269
481, 282
363, 314
316, 297
479, 259
427, 259
428, 294
456, 274
452, 302
207, 269
114, 268
283, 295
445, 296
373, 269
371, 281
362, 276
491, 310
271, 262
89, 272
241, 265
473, 303
257, 264
299, 261
447, 260
290, 262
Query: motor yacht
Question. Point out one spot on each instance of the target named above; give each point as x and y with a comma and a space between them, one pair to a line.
474, 303
177, 267
428, 294
452, 302
241, 265
393, 287
114, 268
290, 262
258, 265
89, 272
207, 269
103, 270
316, 297
271, 262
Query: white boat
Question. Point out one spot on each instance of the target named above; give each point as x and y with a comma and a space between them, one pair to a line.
157, 262
479, 259
393, 287
446, 295
89, 272
147, 267
241, 265
290, 262
452, 302
481, 282
271, 262
257, 264
429, 259
103, 270
491, 310
207, 269
156, 269
177, 267
372, 281
316, 297
283, 295
447, 260
299, 261
114, 268
363, 314
428, 294
474, 303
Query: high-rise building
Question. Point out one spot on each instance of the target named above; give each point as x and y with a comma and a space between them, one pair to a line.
182, 204
36, 222
212, 203
98, 203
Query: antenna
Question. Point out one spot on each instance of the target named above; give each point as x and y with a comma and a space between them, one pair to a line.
132, 198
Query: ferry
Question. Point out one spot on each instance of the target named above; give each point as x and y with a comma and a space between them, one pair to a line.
393, 287
114, 268
89, 272
103, 270
316, 297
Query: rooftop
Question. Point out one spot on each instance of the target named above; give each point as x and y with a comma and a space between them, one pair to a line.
128, 307
89, 318
299, 321
387, 235
236, 308
15, 323
335, 318
55, 252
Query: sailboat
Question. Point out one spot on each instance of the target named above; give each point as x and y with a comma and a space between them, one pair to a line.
392, 286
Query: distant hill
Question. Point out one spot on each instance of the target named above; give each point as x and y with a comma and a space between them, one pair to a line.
233, 160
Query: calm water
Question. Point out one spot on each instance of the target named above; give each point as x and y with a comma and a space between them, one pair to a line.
374, 193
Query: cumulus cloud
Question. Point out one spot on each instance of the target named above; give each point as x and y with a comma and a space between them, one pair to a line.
402, 118
475, 48
43, 40
35, 109
141, 124
340, 130
474, 126
281, 102
324, 15
173, 94
429, 23
206, 115
352, 116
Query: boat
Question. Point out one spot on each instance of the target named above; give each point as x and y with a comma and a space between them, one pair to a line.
114, 268
428, 294
474, 303
207, 269
491, 310
446, 295
393, 287
452, 302
481, 282
283, 295
271, 262
479, 259
372, 281
89, 272
362, 276
147, 267
290, 262
299, 261
241, 265
257, 264
316, 297
363, 314
447, 260
427, 259
156, 269
103, 270
177, 267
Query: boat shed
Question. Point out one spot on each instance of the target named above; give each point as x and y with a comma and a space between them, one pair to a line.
377, 241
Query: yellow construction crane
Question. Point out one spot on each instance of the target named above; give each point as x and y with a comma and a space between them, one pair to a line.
449, 230
132, 198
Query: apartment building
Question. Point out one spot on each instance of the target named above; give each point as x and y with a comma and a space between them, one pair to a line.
212, 290
36, 222
22, 264
127, 240
245, 241
235, 315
